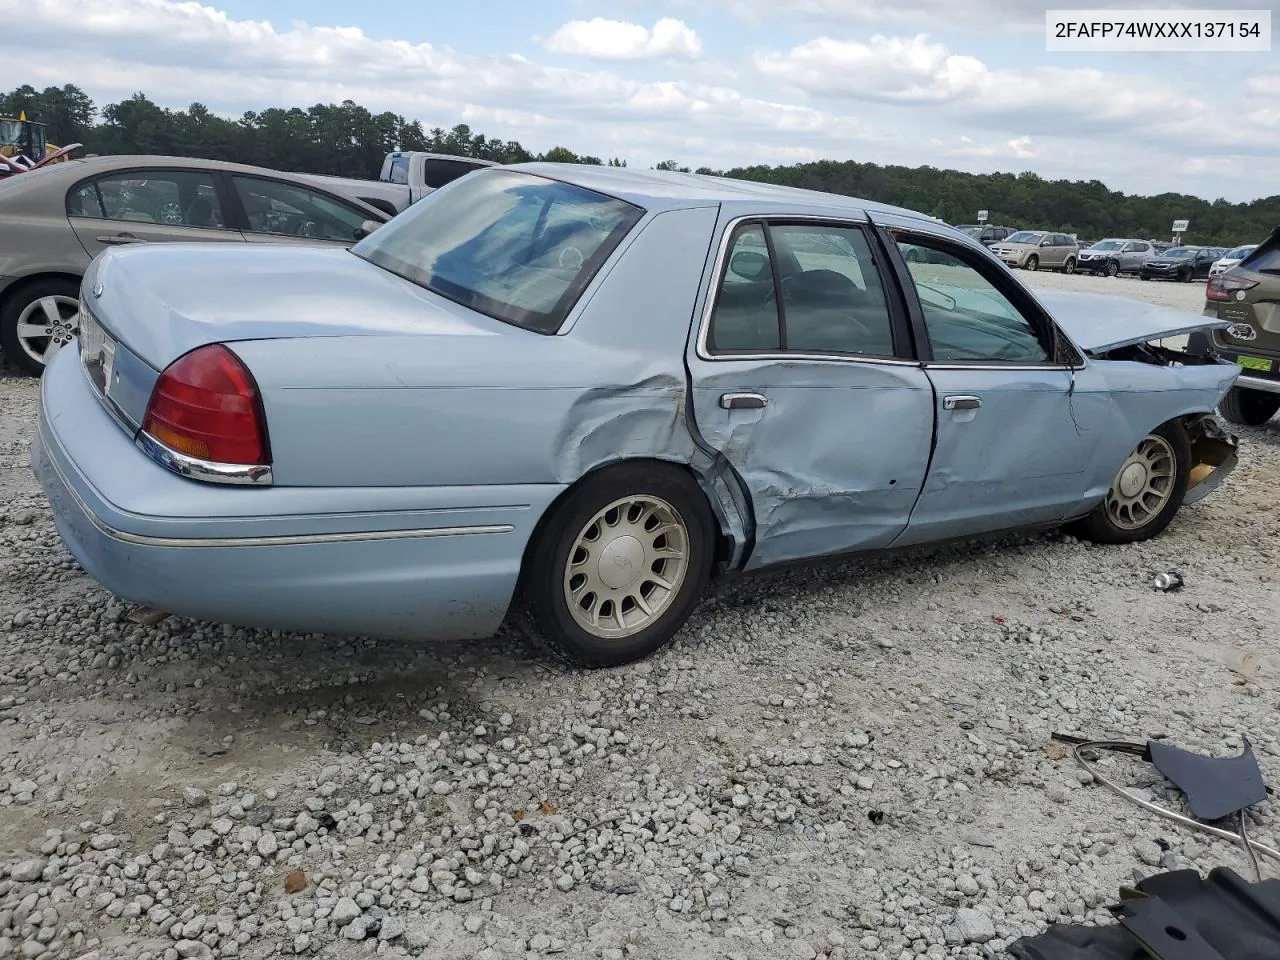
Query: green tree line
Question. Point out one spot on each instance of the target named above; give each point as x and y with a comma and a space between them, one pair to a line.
347, 139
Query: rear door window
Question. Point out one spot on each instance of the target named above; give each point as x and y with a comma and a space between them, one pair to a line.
176, 198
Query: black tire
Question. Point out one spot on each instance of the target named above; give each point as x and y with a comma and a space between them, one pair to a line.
542, 607
1033, 262
1185, 276
14, 305
1143, 276
1113, 268
1070, 265
1249, 408
1099, 527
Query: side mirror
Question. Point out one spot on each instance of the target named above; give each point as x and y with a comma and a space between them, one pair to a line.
749, 264
367, 228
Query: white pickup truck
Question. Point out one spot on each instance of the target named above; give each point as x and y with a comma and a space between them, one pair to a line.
406, 177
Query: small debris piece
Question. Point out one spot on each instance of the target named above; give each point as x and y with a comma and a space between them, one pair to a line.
546, 807
148, 617
295, 882
519, 815
1055, 750
1168, 582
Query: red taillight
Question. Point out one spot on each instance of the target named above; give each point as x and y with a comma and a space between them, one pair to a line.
1224, 286
206, 405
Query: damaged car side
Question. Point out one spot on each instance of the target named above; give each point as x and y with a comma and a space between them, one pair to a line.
572, 395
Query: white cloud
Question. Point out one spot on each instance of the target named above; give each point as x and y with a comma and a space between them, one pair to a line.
601, 39
1018, 148
922, 73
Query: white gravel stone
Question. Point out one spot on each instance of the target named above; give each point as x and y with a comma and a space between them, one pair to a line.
975, 926
344, 911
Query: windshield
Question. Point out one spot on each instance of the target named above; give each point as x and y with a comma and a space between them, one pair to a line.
1108, 245
1023, 236
514, 246
1239, 253
1177, 253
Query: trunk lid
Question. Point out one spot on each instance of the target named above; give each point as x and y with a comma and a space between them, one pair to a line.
1098, 323
164, 301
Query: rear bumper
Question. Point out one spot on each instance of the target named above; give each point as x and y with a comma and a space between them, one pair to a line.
314, 559
1258, 383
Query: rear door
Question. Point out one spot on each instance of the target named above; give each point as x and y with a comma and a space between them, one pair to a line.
803, 378
149, 206
276, 211
1015, 434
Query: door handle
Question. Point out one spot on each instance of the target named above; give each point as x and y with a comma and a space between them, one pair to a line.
116, 238
743, 401
961, 403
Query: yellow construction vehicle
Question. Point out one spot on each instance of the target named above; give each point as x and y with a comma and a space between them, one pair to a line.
23, 146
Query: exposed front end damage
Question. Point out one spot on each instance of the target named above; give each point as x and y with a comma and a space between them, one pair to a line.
1213, 456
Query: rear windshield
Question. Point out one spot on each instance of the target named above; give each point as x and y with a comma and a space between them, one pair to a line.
514, 246
1266, 259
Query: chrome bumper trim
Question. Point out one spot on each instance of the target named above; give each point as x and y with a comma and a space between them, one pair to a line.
1258, 383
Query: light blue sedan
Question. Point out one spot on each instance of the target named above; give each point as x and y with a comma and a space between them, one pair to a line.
573, 394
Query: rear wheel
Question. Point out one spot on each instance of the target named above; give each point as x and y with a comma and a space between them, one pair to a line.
616, 567
1070, 265
1033, 262
1249, 408
1146, 492
37, 320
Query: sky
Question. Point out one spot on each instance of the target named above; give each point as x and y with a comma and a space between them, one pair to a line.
962, 84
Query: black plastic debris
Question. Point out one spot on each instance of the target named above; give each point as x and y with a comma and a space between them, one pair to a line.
1216, 787
1174, 916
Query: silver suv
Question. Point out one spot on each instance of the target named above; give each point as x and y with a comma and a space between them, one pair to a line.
1033, 249
1115, 255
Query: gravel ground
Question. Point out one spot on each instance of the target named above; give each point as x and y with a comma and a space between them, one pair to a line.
847, 760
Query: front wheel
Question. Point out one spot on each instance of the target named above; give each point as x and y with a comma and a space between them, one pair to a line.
1249, 408
1146, 492
616, 567
1033, 262
1113, 268
38, 320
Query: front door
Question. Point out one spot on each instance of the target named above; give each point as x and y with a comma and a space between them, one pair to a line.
1014, 439
802, 379
149, 206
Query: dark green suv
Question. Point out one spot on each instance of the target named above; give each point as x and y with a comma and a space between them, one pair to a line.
1248, 296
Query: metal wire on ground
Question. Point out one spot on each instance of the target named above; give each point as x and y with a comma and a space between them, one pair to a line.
1252, 847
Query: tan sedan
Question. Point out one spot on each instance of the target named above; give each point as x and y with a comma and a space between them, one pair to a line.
57, 219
